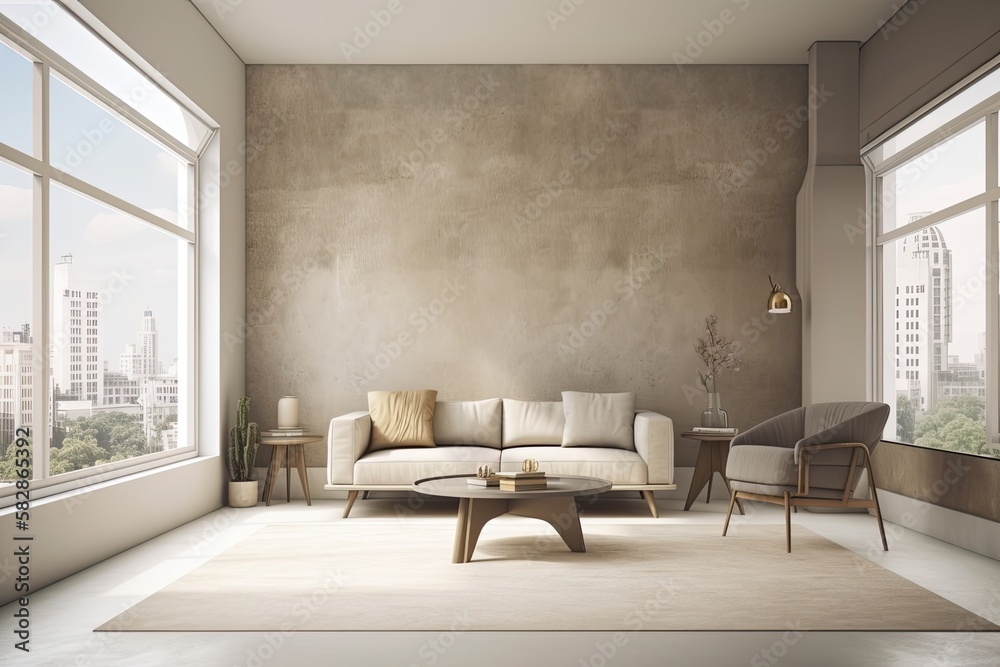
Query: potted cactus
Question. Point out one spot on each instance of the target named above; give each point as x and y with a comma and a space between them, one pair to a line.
240, 458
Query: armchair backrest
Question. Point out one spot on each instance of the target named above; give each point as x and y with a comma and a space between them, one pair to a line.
846, 421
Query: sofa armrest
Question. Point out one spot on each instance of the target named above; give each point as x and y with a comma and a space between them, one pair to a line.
349, 435
654, 441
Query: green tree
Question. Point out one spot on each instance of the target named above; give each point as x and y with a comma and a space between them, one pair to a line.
76, 454
906, 419
8, 464
957, 423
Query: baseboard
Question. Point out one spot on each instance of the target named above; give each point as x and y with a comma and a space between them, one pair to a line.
974, 533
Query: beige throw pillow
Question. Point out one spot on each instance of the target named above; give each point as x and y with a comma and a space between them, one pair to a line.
599, 420
401, 418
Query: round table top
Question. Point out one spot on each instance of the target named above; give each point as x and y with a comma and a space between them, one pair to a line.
289, 439
455, 486
708, 437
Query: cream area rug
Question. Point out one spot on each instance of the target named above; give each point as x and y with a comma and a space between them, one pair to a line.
355, 576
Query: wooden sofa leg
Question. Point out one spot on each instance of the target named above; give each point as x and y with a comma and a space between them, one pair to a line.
788, 523
648, 495
364, 496
351, 497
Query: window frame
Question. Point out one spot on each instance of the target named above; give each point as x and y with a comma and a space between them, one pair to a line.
47, 63
987, 111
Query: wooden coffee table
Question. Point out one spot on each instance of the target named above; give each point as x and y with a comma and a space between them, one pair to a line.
556, 505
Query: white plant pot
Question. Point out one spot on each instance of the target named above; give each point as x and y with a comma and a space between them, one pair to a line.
243, 494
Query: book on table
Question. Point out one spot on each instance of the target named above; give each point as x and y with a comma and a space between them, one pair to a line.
284, 431
538, 474
715, 430
483, 481
523, 484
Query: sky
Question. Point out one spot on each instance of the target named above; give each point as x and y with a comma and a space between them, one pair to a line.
133, 265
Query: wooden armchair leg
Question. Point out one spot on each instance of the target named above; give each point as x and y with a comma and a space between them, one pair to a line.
788, 523
729, 514
878, 510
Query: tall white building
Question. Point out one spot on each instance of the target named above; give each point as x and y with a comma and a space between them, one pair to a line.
16, 400
923, 315
76, 323
142, 359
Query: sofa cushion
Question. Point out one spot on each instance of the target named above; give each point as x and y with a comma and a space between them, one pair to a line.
406, 465
616, 465
774, 467
468, 423
532, 423
599, 420
401, 418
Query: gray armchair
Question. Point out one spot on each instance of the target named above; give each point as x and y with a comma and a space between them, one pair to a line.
808, 457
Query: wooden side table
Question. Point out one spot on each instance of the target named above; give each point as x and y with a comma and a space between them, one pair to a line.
713, 452
291, 448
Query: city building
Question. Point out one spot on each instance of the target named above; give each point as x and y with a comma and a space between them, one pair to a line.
923, 312
16, 395
76, 329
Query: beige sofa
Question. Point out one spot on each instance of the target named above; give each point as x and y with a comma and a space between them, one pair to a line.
500, 433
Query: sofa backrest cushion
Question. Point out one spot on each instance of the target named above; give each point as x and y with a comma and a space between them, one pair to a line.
599, 420
532, 423
401, 419
468, 423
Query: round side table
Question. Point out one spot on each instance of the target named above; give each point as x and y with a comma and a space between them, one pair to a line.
291, 449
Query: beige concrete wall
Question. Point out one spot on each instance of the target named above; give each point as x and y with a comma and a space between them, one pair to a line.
519, 231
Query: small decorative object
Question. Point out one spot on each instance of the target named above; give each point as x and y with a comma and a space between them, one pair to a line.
529, 465
482, 472
779, 301
240, 458
719, 355
288, 412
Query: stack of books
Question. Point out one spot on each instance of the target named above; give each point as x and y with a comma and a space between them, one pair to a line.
715, 430
522, 481
284, 431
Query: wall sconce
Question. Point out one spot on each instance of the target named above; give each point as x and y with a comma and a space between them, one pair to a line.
779, 301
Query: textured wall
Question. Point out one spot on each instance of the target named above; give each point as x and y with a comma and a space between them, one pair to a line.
518, 231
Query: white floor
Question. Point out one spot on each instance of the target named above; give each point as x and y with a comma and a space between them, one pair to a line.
65, 614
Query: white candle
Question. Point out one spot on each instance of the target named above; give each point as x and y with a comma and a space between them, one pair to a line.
288, 412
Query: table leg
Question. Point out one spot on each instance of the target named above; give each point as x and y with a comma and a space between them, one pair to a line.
702, 473
289, 455
560, 513
300, 460
272, 473
458, 553
481, 510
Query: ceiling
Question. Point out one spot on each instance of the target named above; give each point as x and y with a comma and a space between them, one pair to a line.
538, 31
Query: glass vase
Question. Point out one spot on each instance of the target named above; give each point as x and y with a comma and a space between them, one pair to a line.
715, 416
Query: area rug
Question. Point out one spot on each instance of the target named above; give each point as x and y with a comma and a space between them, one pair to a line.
354, 576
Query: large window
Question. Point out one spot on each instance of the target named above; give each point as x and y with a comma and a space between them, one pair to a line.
935, 197
98, 240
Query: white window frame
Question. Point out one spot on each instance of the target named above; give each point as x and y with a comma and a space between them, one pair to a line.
875, 169
47, 62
